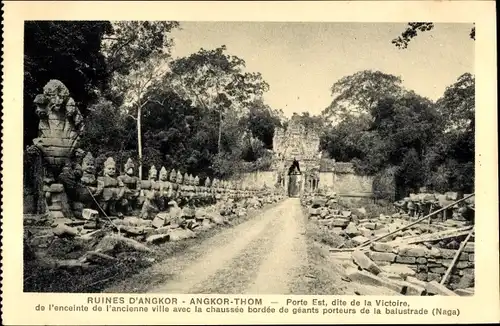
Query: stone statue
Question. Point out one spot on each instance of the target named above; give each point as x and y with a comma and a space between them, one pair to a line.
60, 124
109, 189
58, 132
132, 187
165, 189
196, 181
207, 182
151, 194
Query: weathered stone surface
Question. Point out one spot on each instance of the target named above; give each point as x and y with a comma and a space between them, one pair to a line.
62, 230
416, 281
157, 238
415, 290
433, 277
422, 276
422, 268
89, 214
469, 247
339, 222
435, 288
180, 234
159, 221
383, 247
421, 260
382, 256
351, 230
465, 282
359, 240
391, 276
318, 202
370, 226
364, 262
363, 277
448, 253
395, 285
471, 257
406, 260
401, 270
438, 270
413, 251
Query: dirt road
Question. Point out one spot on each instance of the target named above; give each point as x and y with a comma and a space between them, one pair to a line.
264, 255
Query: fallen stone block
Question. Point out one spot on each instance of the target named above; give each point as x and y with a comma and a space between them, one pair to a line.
363, 277
115, 242
391, 276
413, 251
89, 214
370, 226
395, 285
401, 270
415, 281
181, 234
364, 262
351, 230
435, 288
339, 222
406, 260
383, 247
358, 240
158, 238
382, 256
159, 221
62, 230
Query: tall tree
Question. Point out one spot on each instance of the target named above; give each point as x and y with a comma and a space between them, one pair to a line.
457, 105
137, 54
216, 81
356, 95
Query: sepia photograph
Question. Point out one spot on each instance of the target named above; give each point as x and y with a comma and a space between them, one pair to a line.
212, 157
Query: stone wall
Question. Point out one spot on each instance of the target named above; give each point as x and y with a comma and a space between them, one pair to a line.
350, 183
429, 264
258, 179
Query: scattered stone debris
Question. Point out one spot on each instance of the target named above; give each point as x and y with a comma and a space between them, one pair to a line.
103, 240
405, 252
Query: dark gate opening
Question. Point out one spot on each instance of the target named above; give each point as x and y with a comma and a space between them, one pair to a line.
294, 179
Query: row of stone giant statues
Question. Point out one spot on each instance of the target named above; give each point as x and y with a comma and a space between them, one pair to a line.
70, 187
126, 194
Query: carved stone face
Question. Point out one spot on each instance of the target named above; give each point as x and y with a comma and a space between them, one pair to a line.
56, 94
88, 167
130, 171
163, 175
110, 170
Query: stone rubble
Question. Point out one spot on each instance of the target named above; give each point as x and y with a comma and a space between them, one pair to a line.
105, 240
409, 262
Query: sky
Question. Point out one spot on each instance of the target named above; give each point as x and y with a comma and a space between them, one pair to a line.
301, 61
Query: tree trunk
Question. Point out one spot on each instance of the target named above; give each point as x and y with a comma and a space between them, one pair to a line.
220, 133
139, 140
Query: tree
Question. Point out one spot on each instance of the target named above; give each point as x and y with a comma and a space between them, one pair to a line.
216, 81
137, 54
414, 28
129, 44
262, 121
457, 106
64, 50
357, 94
